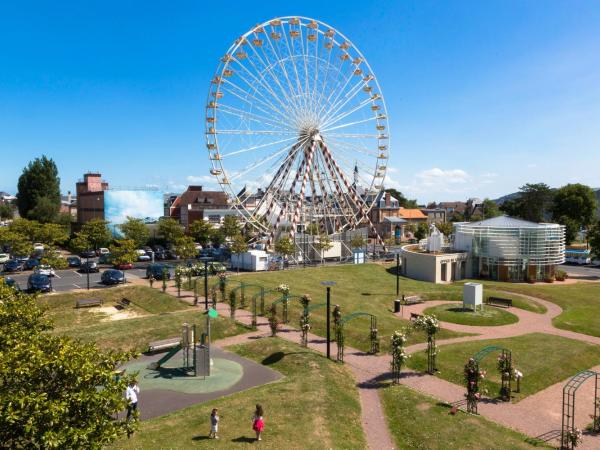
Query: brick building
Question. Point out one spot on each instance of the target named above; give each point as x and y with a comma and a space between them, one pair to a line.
90, 197
197, 204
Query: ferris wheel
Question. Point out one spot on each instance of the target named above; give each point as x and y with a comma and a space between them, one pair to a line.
296, 128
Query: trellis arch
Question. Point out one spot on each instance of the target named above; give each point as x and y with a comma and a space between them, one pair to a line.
505, 374
284, 300
372, 333
243, 286
568, 407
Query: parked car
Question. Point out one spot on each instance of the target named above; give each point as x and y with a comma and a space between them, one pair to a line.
147, 249
170, 254
89, 267
38, 246
13, 265
4, 257
39, 283
88, 254
156, 270
45, 269
31, 264
216, 267
102, 251
112, 276
74, 261
124, 266
11, 283
142, 255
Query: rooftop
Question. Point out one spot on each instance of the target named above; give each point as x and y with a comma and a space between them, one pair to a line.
506, 222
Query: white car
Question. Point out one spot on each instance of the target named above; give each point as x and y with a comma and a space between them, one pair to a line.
142, 255
103, 251
45, 270
38, 246
4, 257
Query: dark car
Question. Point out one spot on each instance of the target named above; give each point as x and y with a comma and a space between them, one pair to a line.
158, 248
105, 259
170, 254
74, 261
112, 276
31, 264
11, 283
13, 265
157, 270
160, 255
88, 254
39, 283
89, 267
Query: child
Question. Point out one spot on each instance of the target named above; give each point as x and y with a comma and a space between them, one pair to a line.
131, 394
214, 424
258, 423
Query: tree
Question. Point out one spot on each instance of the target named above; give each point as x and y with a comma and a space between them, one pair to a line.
422, 231
80, 242
239, 245
312, 229
445, 227
323, 245
170, 229
185, 247
53, 258
490, 209
358, 241
29, 229
594, 240
19, 245
136, 230
7, 211
39, 187
97, 233
56, 392
574, 206
123, 251
216, 237
52, 234
201, 230
532, 202
284, 246
230, 226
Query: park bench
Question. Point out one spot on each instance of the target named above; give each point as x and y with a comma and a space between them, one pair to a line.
497, 301
415, 316
165, 344
412, 300
123, 303
87, 302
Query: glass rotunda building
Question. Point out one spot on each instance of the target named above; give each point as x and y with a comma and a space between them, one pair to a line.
508, 249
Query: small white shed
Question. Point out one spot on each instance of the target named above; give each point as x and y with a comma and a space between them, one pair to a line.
252, 260
473, 296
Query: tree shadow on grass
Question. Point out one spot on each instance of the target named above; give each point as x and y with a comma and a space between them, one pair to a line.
278, 356
378, 382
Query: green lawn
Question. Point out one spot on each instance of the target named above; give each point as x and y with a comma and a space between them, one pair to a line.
417, 421
61, 307
580, 303
367, 287
315, 406
489, 316
544, 360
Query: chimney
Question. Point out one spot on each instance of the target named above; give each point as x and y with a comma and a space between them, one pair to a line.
388, 202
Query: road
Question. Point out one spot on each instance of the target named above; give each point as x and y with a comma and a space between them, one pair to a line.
581, 272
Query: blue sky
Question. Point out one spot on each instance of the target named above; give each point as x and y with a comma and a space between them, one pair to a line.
482, 96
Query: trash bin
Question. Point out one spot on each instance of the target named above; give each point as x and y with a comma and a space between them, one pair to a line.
397, 305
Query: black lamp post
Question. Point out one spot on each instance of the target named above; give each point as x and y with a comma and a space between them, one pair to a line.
87, 268
397, 274
328, 285
206, 259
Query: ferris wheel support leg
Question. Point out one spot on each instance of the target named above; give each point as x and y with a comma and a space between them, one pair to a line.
281, 173
354, 196
309, 155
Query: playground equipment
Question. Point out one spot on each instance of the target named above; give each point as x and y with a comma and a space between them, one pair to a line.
195, 351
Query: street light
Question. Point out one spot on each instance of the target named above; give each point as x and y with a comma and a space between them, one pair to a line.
328, 285
206, 259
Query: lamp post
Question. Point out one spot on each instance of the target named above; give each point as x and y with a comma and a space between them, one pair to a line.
87, 268
206, 259
328, 285
397, 274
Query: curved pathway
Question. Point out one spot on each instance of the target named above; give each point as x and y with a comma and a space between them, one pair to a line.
536, 415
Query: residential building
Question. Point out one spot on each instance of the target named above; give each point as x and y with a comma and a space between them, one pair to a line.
197, 204
434, 215
390, 219
68, 205
90, 197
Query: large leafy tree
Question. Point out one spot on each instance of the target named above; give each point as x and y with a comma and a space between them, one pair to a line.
52, 234
97, 233
7, 210
422, 231
490, 209
170, 229
284, 246
217, 237
136, 230
200, 230
123, 251
29, 229
594, 239
532, 203
575, 206
185, 247
38, 195
55, 392
19, 245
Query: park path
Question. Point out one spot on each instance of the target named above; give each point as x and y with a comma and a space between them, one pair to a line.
538, 416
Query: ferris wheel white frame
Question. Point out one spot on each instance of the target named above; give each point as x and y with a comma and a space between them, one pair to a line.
307, 159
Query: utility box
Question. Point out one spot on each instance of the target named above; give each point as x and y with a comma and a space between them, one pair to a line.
358, 256
473, 296
202, 361
252, 260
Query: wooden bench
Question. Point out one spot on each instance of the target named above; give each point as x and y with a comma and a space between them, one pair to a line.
497, 301
87, 302
415, 316
412, 300
165, 344
123, 303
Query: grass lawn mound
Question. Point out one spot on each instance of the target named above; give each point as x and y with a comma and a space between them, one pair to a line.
489, 316
417, 421
315, 406
543, 359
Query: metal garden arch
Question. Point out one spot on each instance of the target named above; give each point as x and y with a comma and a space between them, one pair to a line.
568, 407
372, 333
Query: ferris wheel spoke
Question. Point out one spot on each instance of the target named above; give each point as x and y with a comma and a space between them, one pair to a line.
256, 147
361, 105
339, 104
351, 148
241, 114
240, 95
257, 132
337, 89
293, 59
348, 124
